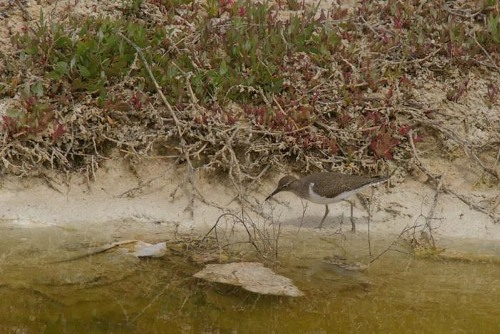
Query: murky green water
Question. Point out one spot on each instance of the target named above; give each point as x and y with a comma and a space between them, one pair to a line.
115, 293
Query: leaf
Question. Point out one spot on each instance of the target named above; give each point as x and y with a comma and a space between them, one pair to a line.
59, 130
62, 67
54, 75
84, 72
493, 27
382, 145
223, 68
37, 89
10, 124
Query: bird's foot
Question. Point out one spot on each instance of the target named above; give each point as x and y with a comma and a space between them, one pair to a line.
353, 228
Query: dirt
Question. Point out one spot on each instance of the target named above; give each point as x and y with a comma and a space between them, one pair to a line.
156, 192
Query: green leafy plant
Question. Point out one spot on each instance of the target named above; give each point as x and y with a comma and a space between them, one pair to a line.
34, 116
494, 27
317, 85
89, 56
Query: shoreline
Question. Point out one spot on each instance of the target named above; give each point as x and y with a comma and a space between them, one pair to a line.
154, 193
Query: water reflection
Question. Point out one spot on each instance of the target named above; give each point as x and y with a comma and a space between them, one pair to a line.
117, 293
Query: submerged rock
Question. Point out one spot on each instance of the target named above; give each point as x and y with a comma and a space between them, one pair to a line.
251, 276
343, 263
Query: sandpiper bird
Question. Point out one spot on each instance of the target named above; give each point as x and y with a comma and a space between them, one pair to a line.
326, 188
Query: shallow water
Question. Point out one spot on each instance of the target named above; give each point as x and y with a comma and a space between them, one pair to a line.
115, 293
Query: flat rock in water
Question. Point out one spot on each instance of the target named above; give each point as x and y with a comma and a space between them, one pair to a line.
144, 249
251, 276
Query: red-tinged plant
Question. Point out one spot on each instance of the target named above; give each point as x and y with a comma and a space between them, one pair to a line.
347, 76
289, 127
242, 11
404, 129
329, 144
137, 101
383, 144
10, 125
59, 130
455, 94
226, 6
398, 22
375, 117
257, 114
416, 138
385, 38
314, 99
343, 120
29, 103
389, 95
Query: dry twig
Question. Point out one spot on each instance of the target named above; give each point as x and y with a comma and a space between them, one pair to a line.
438, 181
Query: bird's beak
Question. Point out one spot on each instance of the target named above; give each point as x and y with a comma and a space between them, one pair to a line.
273, 193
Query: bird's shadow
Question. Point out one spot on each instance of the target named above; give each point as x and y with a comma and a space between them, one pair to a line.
337, 220
331, 222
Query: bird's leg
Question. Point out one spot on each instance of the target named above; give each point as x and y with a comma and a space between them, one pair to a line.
324, 217
353, 229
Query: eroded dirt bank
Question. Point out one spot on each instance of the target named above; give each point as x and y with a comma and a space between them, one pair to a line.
158, 192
